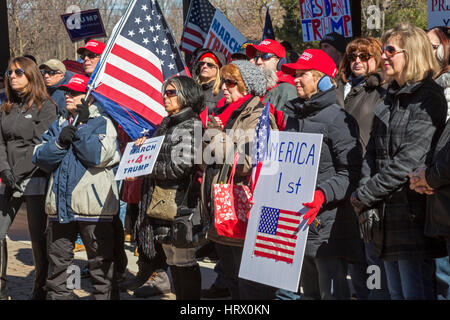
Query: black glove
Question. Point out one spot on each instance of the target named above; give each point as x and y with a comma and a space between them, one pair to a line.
83, 112
8, 178
66, 136
358, 206
366, 221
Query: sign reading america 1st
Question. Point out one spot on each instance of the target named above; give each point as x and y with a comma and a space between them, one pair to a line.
138, 161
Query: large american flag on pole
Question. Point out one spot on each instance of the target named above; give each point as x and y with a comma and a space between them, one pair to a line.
277, 234
199, 19
140, 55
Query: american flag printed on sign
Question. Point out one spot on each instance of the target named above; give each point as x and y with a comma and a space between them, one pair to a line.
277, 234
200, 17
138, 59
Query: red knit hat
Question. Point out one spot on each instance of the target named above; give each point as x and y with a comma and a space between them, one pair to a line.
76, 83
312, 59
93, 46
266, 46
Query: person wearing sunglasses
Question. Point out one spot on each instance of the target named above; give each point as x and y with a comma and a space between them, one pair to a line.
26, 115
82, 197
332, 224
55, 74
206, 73
243, 85
90, 55
406, 126
360, 88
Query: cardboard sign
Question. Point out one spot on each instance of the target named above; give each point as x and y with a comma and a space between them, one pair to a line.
438, 13
84, 24
320, 17
223, 36
276, 232
138, 161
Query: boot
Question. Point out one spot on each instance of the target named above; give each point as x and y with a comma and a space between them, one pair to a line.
145, 270
189, 283
158, 284
3, 265
41, 270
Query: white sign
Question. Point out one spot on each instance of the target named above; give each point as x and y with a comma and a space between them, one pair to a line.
276, 232
223, 36
438, 13
138, 161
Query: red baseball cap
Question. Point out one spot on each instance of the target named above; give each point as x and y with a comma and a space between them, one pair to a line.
312, 59
76, 83
93, 46
266, 46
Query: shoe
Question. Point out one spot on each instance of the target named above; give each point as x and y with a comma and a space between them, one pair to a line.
158, 284
215, 292
128, 237
79, 247
145, 270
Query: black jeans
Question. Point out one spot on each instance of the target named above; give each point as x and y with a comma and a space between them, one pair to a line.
98, 238
37, 223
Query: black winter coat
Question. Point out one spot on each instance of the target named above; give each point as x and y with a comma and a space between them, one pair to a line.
406, 127
338, 174
437, 221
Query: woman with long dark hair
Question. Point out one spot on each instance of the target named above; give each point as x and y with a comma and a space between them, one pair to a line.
26, 115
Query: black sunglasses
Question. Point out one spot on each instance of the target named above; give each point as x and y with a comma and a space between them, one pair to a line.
391, 51
89, 55
170, 93
19, 72
73, 93
228, 82
264, 56
50, 73
210, 65
364, 56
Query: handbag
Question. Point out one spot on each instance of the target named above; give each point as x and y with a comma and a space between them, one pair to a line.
232, 204
163, 205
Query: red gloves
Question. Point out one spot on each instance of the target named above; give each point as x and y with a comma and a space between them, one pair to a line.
315, 206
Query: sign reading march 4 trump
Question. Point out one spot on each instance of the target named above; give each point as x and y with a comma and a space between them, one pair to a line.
320, 17
276, 232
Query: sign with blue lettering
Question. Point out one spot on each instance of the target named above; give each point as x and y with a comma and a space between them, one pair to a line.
223, 36
276, 232
84, 24
320, 17
138, 161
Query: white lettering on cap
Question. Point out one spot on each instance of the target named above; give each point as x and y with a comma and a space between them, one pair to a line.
93, 44
265, 43
306, 56
76, 80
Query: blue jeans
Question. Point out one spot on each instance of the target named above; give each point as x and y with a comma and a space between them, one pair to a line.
443, 278
410, 279
372, 259
123, 211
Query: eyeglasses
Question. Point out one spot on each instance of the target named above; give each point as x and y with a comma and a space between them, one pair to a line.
264, 56
391, 51
364, 57
435, 46
73, 93
210, 65
229, 82
170, 93
51, 73
19, 72
89, 55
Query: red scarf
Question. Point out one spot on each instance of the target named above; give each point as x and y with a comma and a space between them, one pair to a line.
229, 108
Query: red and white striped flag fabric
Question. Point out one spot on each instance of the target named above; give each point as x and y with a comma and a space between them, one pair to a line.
277, 234
199, 19
138, 58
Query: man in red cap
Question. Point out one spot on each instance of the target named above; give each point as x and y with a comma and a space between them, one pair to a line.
269, 55
83, 196
90, 54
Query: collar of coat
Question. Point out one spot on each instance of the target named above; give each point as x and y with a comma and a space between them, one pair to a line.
317, 102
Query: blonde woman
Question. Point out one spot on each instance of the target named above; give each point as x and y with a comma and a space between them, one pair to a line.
405, 129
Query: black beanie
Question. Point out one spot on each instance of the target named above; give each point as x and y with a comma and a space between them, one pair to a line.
336, 40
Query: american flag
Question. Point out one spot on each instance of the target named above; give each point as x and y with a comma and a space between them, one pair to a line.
140, 55
200, 16
260, 141
277, 234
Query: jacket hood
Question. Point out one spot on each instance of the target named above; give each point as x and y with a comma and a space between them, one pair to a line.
195, 64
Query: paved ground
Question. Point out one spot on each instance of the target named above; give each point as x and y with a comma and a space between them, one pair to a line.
20, 273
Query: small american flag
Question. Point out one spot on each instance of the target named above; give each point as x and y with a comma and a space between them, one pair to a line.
200, 16
138, 58
277, 234
260, 141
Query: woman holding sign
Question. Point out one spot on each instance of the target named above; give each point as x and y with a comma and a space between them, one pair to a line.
406, 127
333, 231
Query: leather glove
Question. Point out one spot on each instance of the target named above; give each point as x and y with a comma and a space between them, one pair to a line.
366, 221
8, 178
66, 136
83, 112
315, 206
358, 206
